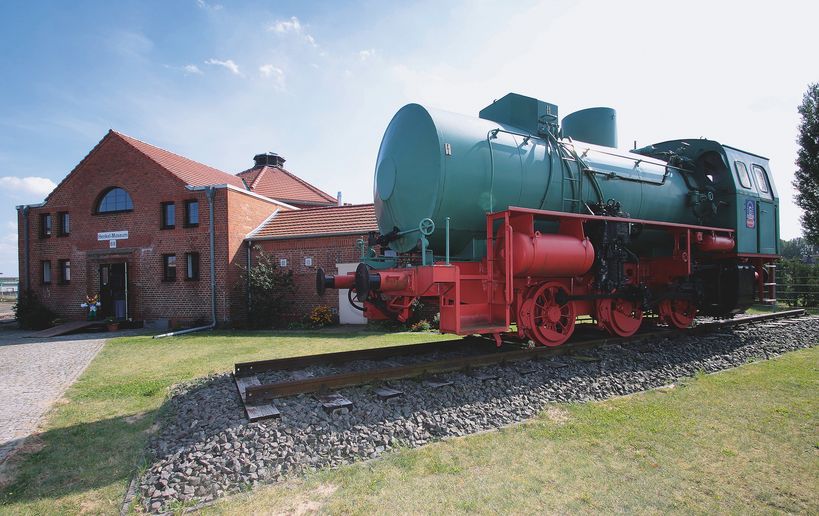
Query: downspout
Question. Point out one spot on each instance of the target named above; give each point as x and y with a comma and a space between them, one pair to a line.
210, 192
27, 250
247, 279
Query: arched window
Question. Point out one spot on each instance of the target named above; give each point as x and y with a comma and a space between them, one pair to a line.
113, 200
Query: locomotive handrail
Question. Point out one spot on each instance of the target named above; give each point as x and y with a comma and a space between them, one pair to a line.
645, 222
681, 170
637, 162
570, 147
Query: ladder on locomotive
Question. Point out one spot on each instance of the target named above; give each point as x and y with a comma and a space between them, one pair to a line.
569, 162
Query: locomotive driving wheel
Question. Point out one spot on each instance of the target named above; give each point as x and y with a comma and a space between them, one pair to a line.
621, 317
549, 322
678, 313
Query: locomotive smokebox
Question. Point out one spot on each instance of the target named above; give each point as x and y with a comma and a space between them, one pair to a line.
596, 125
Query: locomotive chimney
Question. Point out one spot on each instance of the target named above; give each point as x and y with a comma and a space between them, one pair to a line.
268, 159
597, 126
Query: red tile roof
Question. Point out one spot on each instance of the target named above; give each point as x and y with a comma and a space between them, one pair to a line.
281, 185
335, 220
191, 172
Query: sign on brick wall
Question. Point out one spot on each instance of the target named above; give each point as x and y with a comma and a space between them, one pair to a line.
112, 235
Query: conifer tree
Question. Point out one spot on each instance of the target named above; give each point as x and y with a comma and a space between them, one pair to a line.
806, 180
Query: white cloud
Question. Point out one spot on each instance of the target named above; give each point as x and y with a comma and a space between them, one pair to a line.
275, 73
363, 55
285, 26
188, 69
293, 26
268, 69
229, 64
204, 5
40, 186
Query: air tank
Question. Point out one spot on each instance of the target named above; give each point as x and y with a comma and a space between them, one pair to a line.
436, 164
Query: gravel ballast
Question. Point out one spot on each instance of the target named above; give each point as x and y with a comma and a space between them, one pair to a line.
206, 448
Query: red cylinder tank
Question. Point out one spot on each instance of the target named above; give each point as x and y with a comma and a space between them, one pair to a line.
714, 243
550, 255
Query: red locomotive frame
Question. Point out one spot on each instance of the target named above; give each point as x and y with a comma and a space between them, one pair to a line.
542, 282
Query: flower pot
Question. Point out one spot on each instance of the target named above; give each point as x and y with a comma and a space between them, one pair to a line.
114, 326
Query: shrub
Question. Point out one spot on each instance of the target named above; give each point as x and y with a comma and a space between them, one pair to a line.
797, 283
321, 316
270, 290
31, 313
422, 325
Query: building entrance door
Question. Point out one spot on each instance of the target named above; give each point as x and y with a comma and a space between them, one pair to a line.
114, 290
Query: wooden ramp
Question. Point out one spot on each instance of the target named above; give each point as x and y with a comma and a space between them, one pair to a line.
62, 329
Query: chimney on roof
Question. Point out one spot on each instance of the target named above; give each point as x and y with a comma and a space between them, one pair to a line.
268, 159
338, 199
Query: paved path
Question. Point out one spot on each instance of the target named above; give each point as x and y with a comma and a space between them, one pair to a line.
33, 374
6, 311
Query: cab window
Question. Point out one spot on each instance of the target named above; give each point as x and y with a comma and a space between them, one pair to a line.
742, 174
761, 179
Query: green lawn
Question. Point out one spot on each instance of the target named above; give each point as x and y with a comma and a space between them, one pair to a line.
93, 439
740, 441
744, 441
781, 307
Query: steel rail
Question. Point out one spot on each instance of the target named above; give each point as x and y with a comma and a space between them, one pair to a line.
261, 393
284, 364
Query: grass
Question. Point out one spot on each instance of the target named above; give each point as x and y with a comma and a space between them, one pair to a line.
92, 439
742, 441
745, 440
781, 307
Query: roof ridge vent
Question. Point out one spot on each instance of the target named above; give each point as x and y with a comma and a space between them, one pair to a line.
268, 159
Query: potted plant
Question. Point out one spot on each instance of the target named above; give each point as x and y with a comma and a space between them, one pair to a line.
111, 324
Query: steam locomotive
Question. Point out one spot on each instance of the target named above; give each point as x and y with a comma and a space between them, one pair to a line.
514, 223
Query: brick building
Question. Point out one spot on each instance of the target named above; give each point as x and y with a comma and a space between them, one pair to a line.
132, 223
319, 237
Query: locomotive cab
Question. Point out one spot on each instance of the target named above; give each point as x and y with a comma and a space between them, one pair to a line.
745, 200
745, 197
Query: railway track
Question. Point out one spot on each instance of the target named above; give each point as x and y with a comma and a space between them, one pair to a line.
257, 397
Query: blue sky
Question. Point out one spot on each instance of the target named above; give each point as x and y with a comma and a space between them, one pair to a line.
317, 82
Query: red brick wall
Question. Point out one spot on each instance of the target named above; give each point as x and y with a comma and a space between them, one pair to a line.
326, 253
115, 163
245, 213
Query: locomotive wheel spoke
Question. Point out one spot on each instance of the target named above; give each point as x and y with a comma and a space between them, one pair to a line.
550, 324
